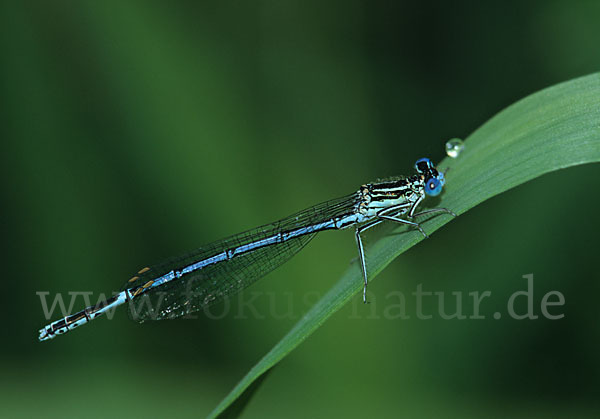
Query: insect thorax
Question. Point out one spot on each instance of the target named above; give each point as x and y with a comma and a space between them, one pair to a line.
378, 196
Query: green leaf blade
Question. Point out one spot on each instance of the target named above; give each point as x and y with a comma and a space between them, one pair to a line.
550, 130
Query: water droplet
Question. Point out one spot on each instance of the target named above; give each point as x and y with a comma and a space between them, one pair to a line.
454, 147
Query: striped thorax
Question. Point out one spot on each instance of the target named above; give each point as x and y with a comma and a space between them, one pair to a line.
403, 194
376, 197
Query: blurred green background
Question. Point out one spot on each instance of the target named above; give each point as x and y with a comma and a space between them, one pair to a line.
134, 131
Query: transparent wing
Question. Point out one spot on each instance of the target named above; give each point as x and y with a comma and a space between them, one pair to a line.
212, 283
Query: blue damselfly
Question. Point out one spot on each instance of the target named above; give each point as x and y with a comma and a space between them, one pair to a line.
207, 275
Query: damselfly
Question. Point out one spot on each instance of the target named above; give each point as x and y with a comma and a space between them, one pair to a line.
207, 275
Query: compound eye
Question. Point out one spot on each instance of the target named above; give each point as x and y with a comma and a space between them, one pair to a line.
433, 186
422, 165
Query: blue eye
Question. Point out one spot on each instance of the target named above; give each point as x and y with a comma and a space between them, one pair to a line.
433, 186
422, 165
